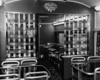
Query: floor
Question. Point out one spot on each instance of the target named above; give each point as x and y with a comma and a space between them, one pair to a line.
54, 74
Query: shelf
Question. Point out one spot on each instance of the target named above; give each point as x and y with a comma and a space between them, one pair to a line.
76, 35
20, 33
11, 59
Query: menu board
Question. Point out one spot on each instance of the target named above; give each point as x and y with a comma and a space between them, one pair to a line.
20, 34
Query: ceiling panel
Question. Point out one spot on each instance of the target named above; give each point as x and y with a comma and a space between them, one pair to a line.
90, 3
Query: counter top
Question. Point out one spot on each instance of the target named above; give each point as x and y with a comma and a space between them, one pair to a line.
73, 56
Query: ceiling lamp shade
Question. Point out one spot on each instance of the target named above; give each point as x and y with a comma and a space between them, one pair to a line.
97, 8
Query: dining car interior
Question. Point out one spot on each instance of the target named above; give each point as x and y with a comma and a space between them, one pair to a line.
49, 39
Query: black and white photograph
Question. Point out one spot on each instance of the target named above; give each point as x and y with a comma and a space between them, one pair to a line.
49, 39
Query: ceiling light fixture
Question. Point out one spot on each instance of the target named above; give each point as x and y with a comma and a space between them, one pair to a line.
58, 23
97, 8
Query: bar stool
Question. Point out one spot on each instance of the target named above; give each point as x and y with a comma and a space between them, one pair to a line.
7, 64
93, 60
29, 62
10, 64
9, 77
97, 73
42, 73
78, 62
36, 76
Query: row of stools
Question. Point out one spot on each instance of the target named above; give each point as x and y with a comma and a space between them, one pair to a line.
82, 62
26, 69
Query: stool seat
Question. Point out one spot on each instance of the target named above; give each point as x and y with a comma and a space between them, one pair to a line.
43, 75
29, 62
10, 63
9, 77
